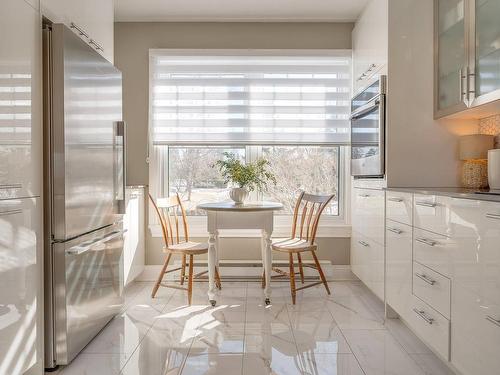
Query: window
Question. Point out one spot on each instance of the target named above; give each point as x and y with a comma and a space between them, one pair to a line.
291, 108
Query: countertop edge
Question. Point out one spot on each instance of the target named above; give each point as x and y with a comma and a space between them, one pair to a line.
460, 193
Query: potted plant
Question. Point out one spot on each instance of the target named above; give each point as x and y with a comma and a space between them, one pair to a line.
247, 177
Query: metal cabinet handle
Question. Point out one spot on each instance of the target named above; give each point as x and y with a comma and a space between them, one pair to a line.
11, 212
493, 320
426, 204
461, 84
364, 195
493, 216
96, 45
395, 230
470, 85
421, 313
426, 278
11, 186
426, 241
363, 243
79, 29
397, 200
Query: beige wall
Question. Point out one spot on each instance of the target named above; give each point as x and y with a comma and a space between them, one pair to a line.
132, 43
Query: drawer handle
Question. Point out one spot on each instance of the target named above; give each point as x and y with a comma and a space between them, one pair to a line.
364, 195
426, 241
426, 204
395, 230
493, 216
11, 212
363, 243
397, 200
421, 313
11, 186
426, 278
493, 320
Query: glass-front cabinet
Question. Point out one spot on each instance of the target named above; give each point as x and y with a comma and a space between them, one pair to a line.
467, 56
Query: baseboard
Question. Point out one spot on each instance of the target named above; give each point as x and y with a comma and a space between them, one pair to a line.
251, 270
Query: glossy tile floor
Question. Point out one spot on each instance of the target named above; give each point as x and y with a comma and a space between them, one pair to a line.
339, 334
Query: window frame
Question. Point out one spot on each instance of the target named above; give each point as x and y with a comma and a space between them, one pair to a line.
330, 225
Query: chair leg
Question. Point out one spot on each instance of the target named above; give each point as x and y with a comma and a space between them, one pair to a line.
301, 269
292, 277
263, 280
160, 276
218, 283
183, 270
190, 279
320, 270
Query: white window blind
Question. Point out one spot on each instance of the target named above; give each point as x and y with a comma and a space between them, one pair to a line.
249, 99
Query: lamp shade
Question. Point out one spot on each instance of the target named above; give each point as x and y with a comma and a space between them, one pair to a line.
475, 146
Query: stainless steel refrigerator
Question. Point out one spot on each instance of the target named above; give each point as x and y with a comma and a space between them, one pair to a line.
83, 193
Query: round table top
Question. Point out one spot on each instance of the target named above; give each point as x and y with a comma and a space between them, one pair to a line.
245, 207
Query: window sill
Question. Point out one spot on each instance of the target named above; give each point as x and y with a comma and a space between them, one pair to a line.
200, 231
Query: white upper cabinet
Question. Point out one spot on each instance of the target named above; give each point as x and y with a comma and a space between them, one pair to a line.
94, 17
369, 43
20, 100
467, 65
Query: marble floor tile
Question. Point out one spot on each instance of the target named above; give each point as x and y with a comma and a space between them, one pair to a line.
123, 334
330, 364
411, 343
213, 364
431, 364
350, 312
344, 333
95, 364
380, 354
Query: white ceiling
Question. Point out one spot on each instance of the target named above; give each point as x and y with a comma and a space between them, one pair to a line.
237, 10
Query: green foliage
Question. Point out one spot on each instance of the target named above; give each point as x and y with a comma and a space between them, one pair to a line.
249, 176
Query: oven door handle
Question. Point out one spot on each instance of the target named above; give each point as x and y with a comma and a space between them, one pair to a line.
367, 108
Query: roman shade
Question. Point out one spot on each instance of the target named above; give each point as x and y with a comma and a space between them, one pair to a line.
249, 98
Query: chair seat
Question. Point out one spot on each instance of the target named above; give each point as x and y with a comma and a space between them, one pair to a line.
188, 248
294, 245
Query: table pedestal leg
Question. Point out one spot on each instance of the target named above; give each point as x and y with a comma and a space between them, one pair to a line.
212, 259
267, 259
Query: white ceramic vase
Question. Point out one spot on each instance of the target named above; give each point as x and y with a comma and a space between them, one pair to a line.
494, 169
238, 195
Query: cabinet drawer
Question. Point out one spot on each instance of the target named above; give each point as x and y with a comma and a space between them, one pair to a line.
432, 288
430, 325
399, 206
398, 254
430, 212
434, 251
368, 213
475, 333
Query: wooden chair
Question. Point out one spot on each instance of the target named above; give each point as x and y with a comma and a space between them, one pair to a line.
309, 207
169, 220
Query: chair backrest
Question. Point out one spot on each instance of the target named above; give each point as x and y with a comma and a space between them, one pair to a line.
307, 212
168, 214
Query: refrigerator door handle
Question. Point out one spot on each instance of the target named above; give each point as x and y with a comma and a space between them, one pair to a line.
120, 165
86, 246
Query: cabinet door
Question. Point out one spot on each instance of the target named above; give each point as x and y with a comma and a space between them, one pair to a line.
451, 57
95, 17
398, 250
485, 51
20, 280
20, 100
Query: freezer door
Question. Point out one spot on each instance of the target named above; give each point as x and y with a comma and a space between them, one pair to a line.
86, 106
88, 274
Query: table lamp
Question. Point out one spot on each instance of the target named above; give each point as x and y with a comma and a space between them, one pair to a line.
474, 152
